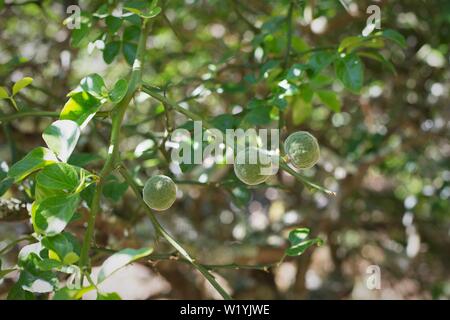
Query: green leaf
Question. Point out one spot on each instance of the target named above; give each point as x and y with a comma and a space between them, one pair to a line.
111, 51
19, 85
48, 264
3, 93
320, 60
81, 159
71, 258
108, 296
330, 99
223, 122
296, 70
28, 251
17, 293
120, 259
80, 108
62, 137
258, 116
129, 52
131, 33
71, 294
351, 42
301, 110
298, 241
5, 184
94, 85
350, 71
38, 281
301, 247
378, 57
51, 215
152, 13
119, 91
306, 92
78, 35
64, 245
114, 190
133, 10
33, 279
35, 160
59, 176
241, 195
298, 235
40, 193
113, 24
394, 36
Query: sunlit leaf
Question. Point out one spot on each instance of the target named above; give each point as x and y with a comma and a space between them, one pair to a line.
35, 160
80, 108
19, 85
94, 85
298, 241
64, 245
298, 235
351, 42
108, 296
51, 215
71, 294
120, 259
300, 248
3, 93
62, 137
152, 13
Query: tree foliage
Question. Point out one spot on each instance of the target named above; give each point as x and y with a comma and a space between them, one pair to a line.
87, 115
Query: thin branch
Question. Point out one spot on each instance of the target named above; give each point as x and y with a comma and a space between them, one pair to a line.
113, 154
43, 114
235, 5
161, 231
289, 34
14, 243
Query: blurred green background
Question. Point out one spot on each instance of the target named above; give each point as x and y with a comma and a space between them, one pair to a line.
385, 150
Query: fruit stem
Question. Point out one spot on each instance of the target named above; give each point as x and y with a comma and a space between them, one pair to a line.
304, 180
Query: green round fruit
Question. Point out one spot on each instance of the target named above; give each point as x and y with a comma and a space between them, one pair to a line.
302, 149
160, 192
252, 167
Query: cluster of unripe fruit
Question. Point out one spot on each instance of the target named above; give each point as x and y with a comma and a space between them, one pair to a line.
301, 148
